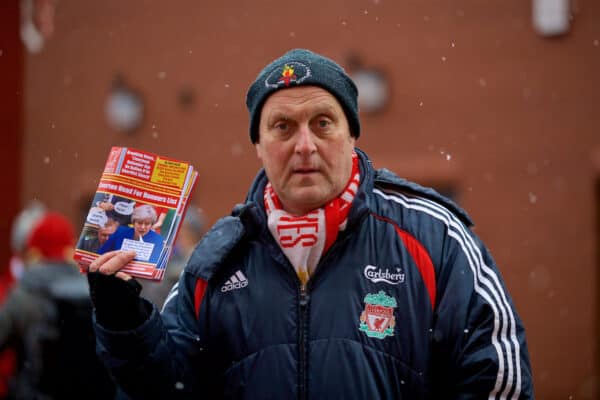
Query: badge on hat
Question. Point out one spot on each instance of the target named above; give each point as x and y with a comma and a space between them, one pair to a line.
377, 320
290, 73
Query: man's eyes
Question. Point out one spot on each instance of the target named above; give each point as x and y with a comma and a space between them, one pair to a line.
324, 123
321, 123
281, 126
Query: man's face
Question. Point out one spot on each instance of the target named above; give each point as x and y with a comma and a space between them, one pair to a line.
305, 147
104, 233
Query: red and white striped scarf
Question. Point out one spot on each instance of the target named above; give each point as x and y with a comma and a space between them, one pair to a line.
304, 239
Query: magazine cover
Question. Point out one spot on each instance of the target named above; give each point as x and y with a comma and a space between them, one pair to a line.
139, 204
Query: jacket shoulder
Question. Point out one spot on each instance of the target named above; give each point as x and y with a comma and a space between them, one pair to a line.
215, 246
386, 181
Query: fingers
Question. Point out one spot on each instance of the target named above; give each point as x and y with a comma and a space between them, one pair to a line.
111, 262
123, 275
95, 265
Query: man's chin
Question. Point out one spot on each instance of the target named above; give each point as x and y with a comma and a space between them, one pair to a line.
308, 199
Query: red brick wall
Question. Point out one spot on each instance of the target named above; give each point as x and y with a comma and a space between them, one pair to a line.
518, 114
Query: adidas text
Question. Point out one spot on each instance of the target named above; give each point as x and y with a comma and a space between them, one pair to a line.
236, 281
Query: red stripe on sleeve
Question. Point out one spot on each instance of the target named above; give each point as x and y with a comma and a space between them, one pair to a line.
199, 291
423, 261
420, 256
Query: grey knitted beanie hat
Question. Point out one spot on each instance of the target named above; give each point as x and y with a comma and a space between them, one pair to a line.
300, 67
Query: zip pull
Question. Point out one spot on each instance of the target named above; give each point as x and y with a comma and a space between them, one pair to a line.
304, 296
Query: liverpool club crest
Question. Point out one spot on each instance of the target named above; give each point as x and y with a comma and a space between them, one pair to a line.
377, 320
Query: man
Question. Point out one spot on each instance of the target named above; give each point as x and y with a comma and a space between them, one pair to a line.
46, 317
93, 243
332, 281
21, 228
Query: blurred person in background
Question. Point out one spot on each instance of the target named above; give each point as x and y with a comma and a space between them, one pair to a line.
191, 230
46, 318
20, 230
332, 281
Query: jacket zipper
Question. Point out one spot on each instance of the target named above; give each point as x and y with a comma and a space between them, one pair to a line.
302, 343
304, 299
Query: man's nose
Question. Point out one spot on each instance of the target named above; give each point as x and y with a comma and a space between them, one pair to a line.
305, 142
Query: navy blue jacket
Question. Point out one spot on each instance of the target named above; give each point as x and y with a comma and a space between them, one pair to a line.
407, 304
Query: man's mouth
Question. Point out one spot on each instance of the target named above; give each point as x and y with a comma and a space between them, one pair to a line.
305, 171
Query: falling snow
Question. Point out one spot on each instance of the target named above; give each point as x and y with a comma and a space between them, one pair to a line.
447, 156
47, 160
443, 58
596, 43
532, 198
482, 82
227, 85
539, 278
162, 75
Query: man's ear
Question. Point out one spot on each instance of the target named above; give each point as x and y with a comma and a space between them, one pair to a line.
259, 150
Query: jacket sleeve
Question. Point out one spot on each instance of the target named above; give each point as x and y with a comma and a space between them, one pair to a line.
155, 359
478, 341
